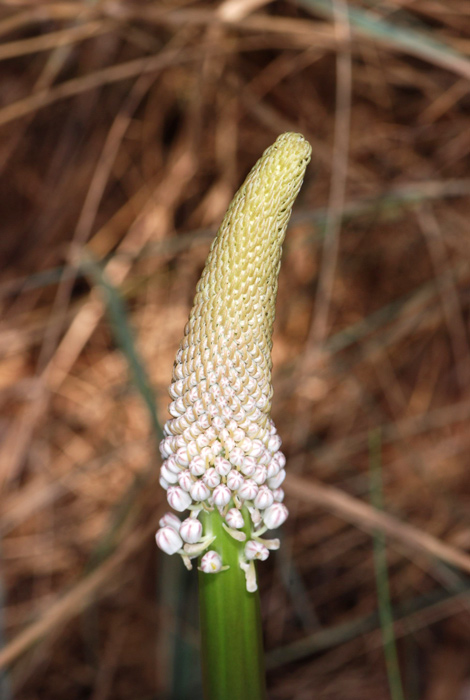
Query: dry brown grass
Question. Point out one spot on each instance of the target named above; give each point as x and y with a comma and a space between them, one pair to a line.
125, 129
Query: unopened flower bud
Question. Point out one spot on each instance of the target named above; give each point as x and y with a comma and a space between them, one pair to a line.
275, 481
274, 443
171, 464
278, 495
197, 466
234, 518
191, 530
236, 457
178, 499
249, 465
248, 490
169, 476
264, 498
273, 468
168, 540
222, 466
199, 491
211, 478
259, 476
221, 495
170, 520
185, 480
234, 480
275, 515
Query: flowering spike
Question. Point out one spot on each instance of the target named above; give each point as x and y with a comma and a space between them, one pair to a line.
221, 450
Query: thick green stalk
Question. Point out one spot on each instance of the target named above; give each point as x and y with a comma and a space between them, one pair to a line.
231, 640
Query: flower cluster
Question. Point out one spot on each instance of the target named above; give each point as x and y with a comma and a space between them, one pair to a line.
221, 449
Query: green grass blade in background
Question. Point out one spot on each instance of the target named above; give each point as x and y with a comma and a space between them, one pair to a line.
381, 573
400, 38
117, 314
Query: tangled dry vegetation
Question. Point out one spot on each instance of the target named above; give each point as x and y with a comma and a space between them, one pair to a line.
125, 129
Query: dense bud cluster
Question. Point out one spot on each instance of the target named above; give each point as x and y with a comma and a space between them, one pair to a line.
221, 449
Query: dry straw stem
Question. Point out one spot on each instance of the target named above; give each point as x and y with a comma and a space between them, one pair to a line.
91, 588
369, 518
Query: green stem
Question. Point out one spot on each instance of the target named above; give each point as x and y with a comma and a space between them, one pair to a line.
231, 637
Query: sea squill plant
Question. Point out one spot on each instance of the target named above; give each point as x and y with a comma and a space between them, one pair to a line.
222, 460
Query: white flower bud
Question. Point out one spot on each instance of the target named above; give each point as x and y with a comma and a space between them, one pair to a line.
182, 457
202, 441
256, 550
203, 421
211, 562
195, 430
168, 540
206, 453
264, 498
163, 483
197, 466
265, 458
170, 520
216, 448
274, 443
227, 413
275, 481
211, 478
221, 495
198, 408
169, 476
199, 491
248, 466
234, 480
238, 435
193, 449
280, 457
259, 477
248, 490
273, 468
257, 449
229, 444
171, 464
236, 457
275, 516
211, 434
218, 423
278, 495
246, 445
173, 409
222, 466
178, 499
234, 518
191, 530
185, 480
165, 448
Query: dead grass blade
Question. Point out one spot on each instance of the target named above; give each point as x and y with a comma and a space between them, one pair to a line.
368, 518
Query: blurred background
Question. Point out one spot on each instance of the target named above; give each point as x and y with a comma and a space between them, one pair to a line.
126, 126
